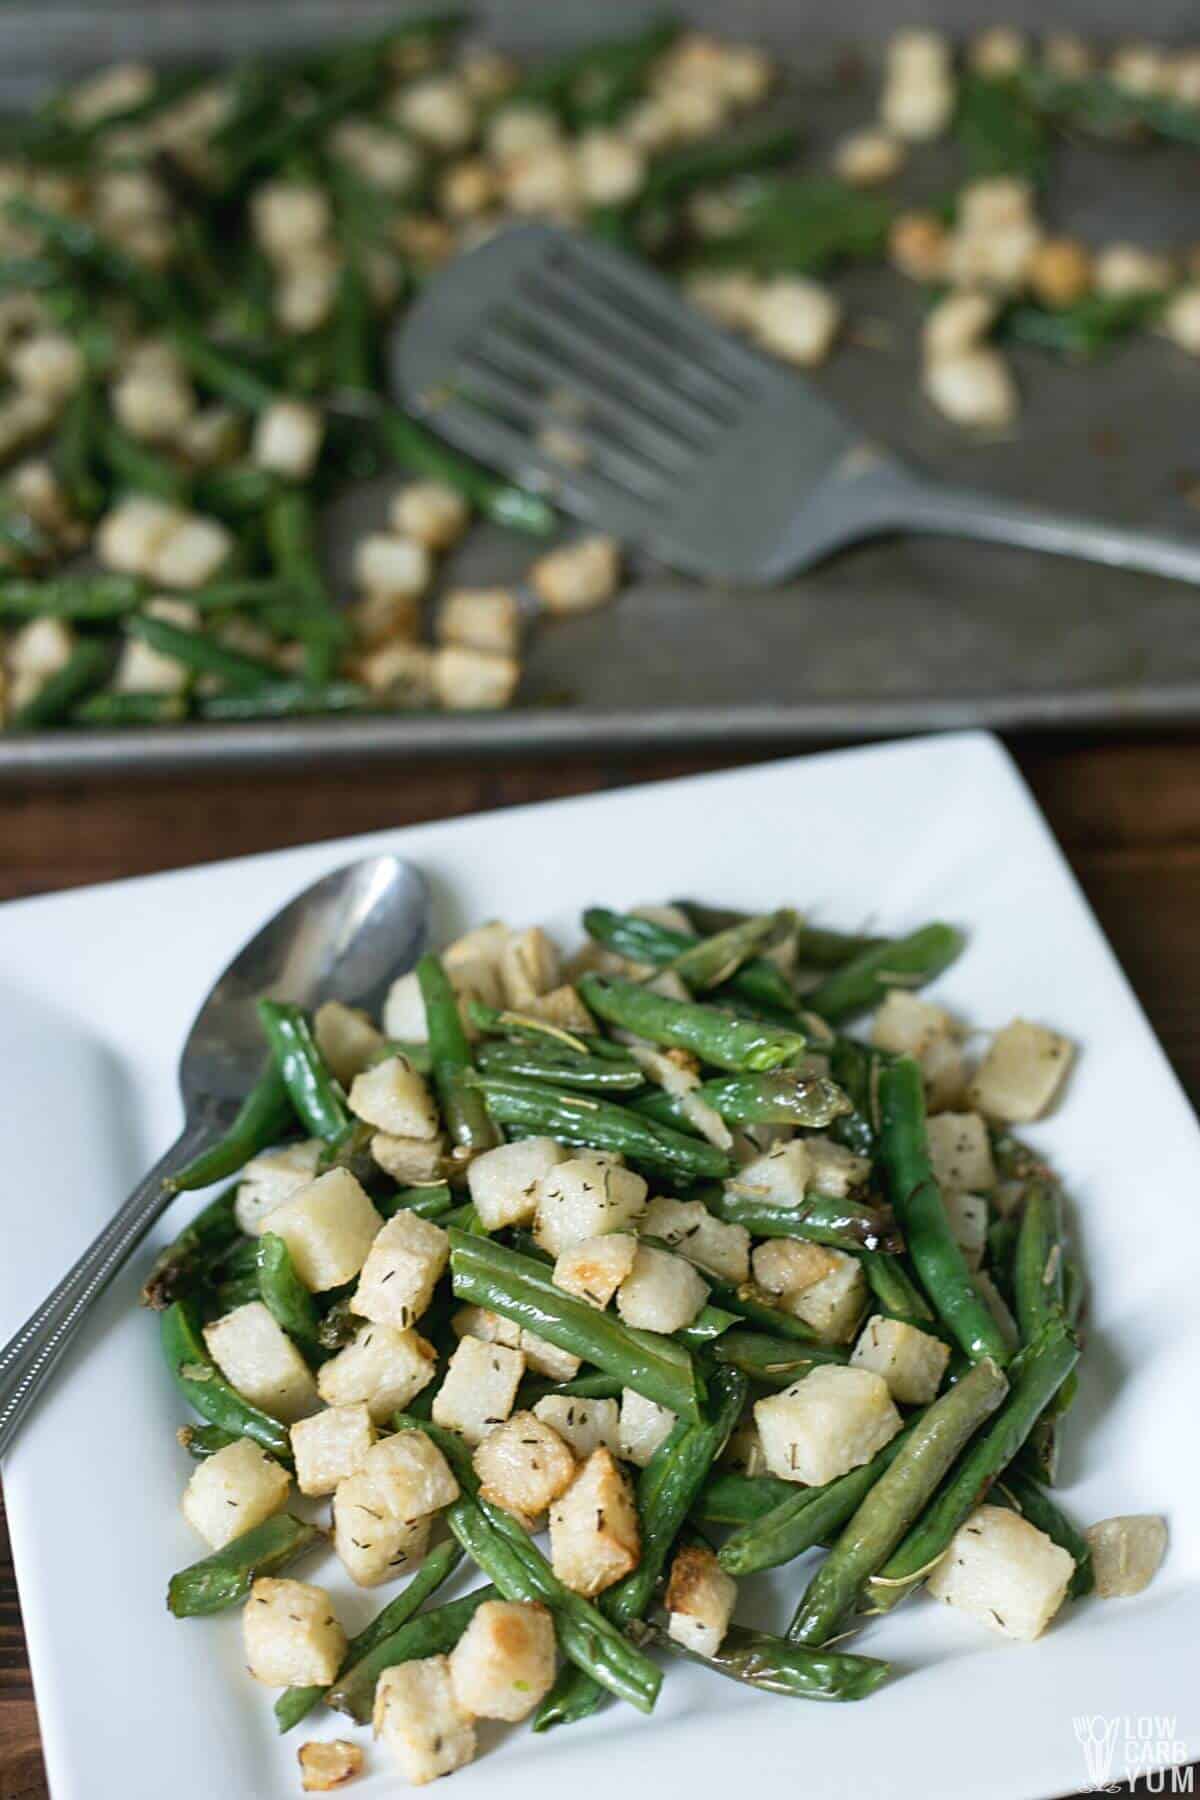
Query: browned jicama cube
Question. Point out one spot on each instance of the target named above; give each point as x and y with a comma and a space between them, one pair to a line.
291, 1636
523, 1465
401, 1271
232, 1491
328, 1765
421, 1722
380, 1366
331, 1445
594, 1534
504, 1662
479, 1388
700, 1600
261, 1361
328, 1228
826, 1424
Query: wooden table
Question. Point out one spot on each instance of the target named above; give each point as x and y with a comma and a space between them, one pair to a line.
1126, 813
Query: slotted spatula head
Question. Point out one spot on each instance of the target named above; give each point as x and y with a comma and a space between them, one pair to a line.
585, 376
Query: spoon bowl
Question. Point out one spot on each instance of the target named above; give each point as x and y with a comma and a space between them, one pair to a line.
343, 938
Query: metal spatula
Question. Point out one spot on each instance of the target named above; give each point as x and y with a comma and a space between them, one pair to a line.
584, 375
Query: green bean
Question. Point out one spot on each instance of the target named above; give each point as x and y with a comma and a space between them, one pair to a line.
1084, 329
710, 1033
1038, 1262
643, 940
206, 1389
112, 710
600, 1125
219, 1581
816, 946
844, 1224
775, 1362
432, 1202
291, 537
730, 1498
506, 1554
752, 1303
289, 700
896, 1294
807, 1516
434, 1633
134, 465
775, 1666
906, 962
562, 1067
1037, 1506
918, 1203
780, 1097
201, 653
293, 129
711, 961
594, 1386
589, 85
681, 172
316, 1096
203, 1441
1000, 132
89, 664
265, 1115
186, 1259
296, 1703
894, 1502
1106, 105
1037, 1375
667, 1490
520, 1289
524, 1028
408, 443
286, 1297
465, 1109
856, 1068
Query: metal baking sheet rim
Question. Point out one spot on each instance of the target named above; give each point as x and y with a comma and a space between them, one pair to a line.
300, 742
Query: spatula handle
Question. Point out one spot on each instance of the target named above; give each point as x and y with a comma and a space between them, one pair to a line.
959, 512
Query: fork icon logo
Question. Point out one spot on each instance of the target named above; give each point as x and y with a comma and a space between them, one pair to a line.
1097, 1737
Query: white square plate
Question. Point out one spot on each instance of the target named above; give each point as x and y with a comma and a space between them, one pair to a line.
96, 991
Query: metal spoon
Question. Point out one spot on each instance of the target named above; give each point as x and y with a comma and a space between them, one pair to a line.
343, 938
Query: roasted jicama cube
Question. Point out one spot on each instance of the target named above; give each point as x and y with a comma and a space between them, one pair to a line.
261, 1361
373, 1544
824, 1287
700, 1600
1126, 1553
523, 1465
961, 1153
832, 1421
1004, 1572
710, 1243
328, 1764
402, 1269
346, 1039
382, 1367
395, 1099
503, 1664
232, 1491
421, 1722
404, 1011
411, 1162
643, 1427
503, 1182
291, 1636
541, 1357
582, 1199
912, 1362
968, 1216
331, 1445
594, 1533
834, 1171
780, 1178
328, 1228
479, 1388
410, 1475
595, 1269
530, 966
1021, 1074
583, 1425
662, 1292
271, 1178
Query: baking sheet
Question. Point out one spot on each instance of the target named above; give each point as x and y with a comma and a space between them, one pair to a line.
890, 636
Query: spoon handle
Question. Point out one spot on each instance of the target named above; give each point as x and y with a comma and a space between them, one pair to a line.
28, 1358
